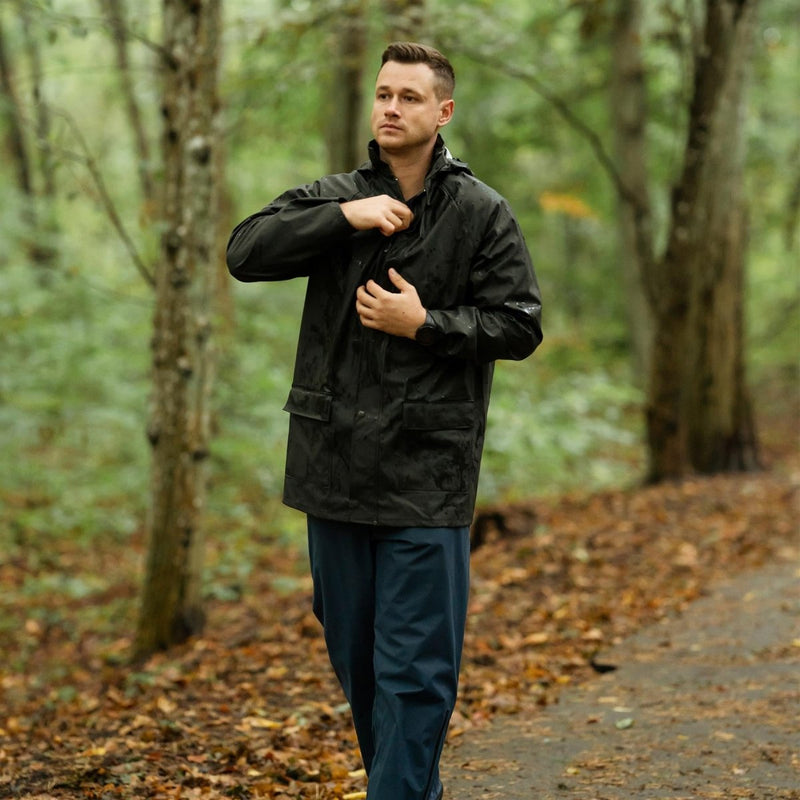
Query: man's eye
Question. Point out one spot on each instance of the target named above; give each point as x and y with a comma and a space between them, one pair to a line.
409, 98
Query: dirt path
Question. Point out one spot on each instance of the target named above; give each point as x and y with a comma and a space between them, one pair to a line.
705, 705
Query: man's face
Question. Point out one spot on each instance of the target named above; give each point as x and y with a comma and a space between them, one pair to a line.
406, 113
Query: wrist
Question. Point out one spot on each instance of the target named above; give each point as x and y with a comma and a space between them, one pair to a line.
427, 332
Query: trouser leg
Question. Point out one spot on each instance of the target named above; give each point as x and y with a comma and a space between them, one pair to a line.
422, 585
342, 569
393, 605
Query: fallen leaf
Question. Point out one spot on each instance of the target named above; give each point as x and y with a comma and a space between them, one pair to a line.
261, 722
165, 705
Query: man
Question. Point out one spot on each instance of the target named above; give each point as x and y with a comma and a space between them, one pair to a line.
418, 280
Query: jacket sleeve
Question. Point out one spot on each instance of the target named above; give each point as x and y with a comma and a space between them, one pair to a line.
503, 319
284, 239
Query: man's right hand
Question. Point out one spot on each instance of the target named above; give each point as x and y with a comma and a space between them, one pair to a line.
382, 212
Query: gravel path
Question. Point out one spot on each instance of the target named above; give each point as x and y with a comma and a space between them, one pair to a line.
705, 705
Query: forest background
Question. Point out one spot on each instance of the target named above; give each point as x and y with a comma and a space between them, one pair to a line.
77, 316
77, 323
85, 230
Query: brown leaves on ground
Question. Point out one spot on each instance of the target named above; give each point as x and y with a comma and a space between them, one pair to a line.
251, 709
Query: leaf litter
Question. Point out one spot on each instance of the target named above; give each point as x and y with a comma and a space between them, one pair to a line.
251, 708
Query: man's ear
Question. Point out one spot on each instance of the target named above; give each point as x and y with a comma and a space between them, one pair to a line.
446, 108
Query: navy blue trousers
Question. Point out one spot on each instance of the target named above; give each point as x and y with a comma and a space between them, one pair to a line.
393, 606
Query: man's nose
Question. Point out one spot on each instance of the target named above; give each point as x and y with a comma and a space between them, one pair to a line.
391, 109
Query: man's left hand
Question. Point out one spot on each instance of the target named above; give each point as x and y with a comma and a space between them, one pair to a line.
397, 313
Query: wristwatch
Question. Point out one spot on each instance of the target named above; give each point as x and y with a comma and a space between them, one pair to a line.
427, 333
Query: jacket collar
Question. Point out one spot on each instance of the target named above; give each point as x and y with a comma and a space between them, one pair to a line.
441, 161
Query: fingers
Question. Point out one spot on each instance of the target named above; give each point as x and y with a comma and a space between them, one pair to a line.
398, 280
363, 298
367, 301
385, 213
366, 307
396, 219
372, 293
402, 213
389, 226
375, 289
398, 313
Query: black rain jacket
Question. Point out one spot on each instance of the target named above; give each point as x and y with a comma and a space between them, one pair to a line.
383, 429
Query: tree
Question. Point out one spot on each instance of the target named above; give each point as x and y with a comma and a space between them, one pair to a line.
698, 412
41, 110
15, 144
344, 125
114, 12
629, 121
171, 607
28, 142
698, 409
405, 19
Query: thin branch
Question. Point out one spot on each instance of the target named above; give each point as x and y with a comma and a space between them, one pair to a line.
115, 14
99, 23
88, 159
572, 119
639, 206
42, 118
792, 206
10, 108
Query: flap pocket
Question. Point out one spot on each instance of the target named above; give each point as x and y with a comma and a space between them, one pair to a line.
438, 416
306, 403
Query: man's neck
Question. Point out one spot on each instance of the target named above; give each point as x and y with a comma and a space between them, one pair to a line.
410, 169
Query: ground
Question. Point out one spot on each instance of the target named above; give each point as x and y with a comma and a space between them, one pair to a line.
699, 706
560, 592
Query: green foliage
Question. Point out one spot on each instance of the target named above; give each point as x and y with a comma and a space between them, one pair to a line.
773, 180
557, 427
72, 402
74, 366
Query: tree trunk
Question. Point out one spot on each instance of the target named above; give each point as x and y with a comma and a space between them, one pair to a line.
344, 131
171, 607
720, 428
405, 20
11, 111
696, 266
629, 118
40, 107
114, 12
43, 241
792, 200
38, 196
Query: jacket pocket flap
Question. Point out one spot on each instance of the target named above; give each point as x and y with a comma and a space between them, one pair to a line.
438, 416
305, 403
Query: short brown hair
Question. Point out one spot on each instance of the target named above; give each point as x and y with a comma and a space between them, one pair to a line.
414, 53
